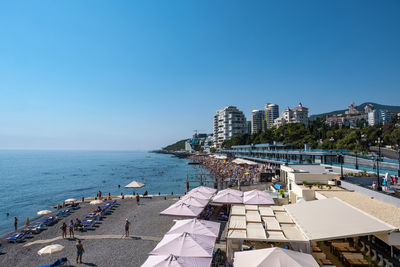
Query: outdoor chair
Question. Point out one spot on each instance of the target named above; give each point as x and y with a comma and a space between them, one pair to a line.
368, 250
373, 255
380, 260
363, 248
387, 263
17, 237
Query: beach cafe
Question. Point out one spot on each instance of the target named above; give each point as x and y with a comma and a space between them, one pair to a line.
302, 224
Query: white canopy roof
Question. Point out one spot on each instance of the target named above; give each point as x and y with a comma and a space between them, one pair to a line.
257, 197
182, 210
134, 184
319, 220
186, 245
174, 261
274, 257
195, 226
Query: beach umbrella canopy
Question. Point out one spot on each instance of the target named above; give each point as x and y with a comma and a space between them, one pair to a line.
69, 200
96, 202
185, 245
191, 200
183, 210
175, 261
204, 189
195, 226
200, 195
231, 191
44, 212
134, 184
51, 249
227, 198
273, 257
257, 197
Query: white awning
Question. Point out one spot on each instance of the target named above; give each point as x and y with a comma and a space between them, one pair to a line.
332, 218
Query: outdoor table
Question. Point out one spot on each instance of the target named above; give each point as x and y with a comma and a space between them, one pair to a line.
357, 262
316, 249
325, 261
353, 258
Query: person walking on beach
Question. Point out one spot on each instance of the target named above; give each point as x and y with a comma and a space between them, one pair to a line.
137, 198
127, 224
79, 251
71, 229
64, 230
15, 223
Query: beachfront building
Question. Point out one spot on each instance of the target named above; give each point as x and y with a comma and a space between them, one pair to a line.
295, 176
271, 113
228, 122
379, 116
258, 122
298, 114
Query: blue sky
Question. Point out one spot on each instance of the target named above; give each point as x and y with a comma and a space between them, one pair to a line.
140, 75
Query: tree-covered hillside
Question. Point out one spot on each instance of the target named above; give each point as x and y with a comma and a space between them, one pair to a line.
180, 145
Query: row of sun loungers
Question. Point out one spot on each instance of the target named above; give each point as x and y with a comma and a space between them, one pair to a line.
93, 218
38, 226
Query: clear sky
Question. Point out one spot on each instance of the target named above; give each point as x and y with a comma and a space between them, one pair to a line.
140, 75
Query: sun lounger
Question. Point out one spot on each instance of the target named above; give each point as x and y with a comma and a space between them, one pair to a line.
17, 237
58, 263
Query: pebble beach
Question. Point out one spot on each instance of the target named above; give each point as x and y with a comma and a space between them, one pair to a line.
106, 244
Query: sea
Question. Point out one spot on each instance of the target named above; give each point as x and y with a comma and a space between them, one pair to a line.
31, 181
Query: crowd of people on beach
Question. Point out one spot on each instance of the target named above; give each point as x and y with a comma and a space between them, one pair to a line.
225, 169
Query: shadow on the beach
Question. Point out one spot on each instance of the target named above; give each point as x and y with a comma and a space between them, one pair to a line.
89, 264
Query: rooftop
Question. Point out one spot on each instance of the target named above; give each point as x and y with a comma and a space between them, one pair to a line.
383, 211
311, 168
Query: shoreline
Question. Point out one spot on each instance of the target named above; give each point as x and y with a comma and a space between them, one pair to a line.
148, 227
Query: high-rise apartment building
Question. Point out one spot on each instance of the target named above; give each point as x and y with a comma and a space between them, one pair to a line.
379, 116
228, 122
271, 113
258, 122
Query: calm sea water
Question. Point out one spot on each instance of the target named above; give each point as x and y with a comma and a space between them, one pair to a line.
37, 180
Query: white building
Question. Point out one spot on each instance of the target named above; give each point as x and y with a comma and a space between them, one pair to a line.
258, 122
298, 114
271, 113
379, 116
228, 122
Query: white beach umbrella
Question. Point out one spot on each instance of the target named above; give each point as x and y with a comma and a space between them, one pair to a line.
70, 200
182, 210
175, 261
96, 202
185, 245
195, 226
197, 202
231, 191
198, 194
134, 184
273, 257
228, 197
51, 249
44, 212
204, 189
257, 197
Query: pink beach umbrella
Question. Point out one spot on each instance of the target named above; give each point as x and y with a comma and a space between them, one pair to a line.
227, 198
204, 189
196, 226
231, 191
257, 197
197, 202
175, 261
182, 210
198, 194
185, 245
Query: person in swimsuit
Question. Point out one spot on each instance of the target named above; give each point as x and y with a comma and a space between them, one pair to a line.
79, 251
127, 224
64, 230
71, 227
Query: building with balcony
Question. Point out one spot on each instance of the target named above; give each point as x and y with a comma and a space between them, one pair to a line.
298, 114
228, 122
